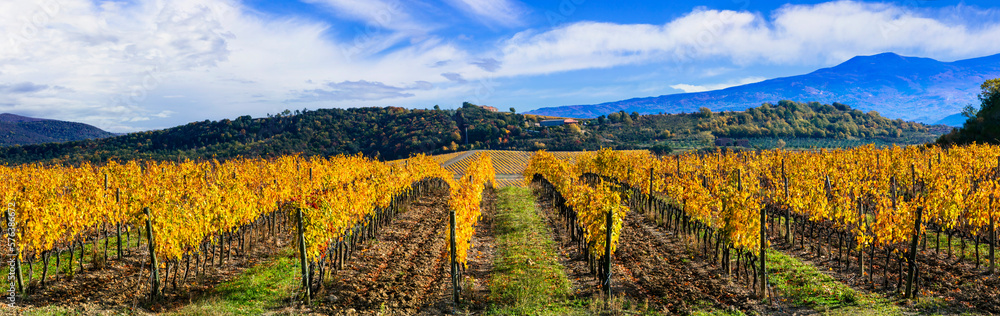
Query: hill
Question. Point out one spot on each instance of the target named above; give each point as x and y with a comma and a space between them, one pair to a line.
915, 89
392, 133
785, 124
388, 133
22, 130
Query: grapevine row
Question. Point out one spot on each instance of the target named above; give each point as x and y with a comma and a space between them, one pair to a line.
188, 206
595, 212
871, 198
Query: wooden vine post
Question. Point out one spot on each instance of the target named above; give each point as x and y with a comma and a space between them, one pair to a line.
788, 212
650, 199
454, 253
302, 255
154, 264
606, 284
118, 202
104, 226
993, 240
993, 231
912, 260
861, 250
763, 253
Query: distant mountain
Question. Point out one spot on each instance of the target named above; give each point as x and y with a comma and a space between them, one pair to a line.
22, 130
912, 88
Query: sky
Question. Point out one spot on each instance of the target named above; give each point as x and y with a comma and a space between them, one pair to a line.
129, 66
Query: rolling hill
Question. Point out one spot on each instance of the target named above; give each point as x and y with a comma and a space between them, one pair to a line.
912, 88
22, 130
392, 133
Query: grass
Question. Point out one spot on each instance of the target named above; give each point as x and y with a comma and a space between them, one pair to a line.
956, 248
76, 310
261, 288
805, 285
527, 278
717, 313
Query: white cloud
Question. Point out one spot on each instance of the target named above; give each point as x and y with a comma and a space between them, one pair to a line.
820, 34
451, 76
503, 12
352, 91
21, 87
121, 66
112, 64
102, 51
387, 14
688, 88
164, 114
386, 23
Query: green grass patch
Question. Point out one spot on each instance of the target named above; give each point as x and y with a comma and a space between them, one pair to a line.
805, 285
956, 248
261, 288
51, 311
718, 313
77, 310
527, 277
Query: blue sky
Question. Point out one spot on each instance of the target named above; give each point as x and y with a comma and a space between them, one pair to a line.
147, 64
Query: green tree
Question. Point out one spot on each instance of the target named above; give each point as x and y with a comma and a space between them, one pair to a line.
969, 111
705, 112
614, 117
984, 126
660, 149
575, 129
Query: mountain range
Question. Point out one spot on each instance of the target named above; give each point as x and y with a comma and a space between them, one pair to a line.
911, 88
22, 130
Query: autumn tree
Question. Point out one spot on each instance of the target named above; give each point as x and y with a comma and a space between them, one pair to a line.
983, 126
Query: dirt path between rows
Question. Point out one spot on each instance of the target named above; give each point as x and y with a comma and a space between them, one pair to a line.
405, 271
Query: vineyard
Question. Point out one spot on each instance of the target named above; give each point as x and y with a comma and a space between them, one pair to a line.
174, 213
718, 232
878, 209
505, 162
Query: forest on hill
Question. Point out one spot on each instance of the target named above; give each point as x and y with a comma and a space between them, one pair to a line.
21, 130
393, 132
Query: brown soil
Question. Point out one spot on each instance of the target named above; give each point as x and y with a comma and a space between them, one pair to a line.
405, 271
480, 261
653, 266
124, 284
956, 283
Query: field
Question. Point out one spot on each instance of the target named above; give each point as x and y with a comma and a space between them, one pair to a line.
540, 248
505, 162
509, 164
